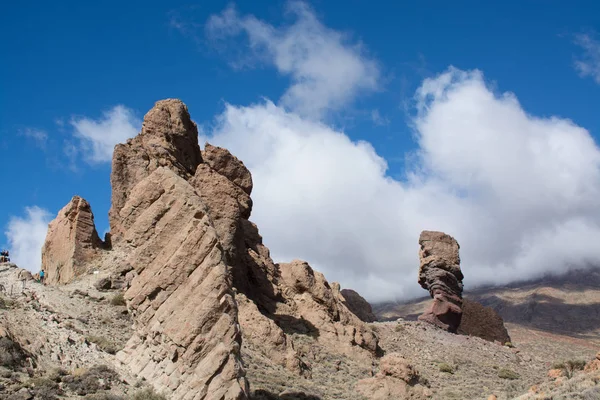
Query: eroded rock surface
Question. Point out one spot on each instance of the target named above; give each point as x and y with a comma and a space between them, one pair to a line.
71, 243
358, 305
440, 274
169, 138
481, 321
187, 338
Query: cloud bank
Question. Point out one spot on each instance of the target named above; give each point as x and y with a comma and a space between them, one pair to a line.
326, 69
520, 193
26, 236
98, 137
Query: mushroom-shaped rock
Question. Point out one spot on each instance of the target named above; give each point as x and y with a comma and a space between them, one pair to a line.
440, 274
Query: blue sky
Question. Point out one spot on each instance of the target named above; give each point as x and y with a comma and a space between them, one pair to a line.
67, 66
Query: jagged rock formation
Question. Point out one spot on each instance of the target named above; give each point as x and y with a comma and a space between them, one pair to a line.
168, 138
187, 337
197, 275
358, 305
440, 274
481, 321
71, 243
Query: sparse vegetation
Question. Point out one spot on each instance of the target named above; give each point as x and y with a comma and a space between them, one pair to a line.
399, 328
118, 300
5, 303
506, 373
569, 367
445, 367
11, 354
147, 394
103, 343
509, 344
86, 382
103, 396
44, 388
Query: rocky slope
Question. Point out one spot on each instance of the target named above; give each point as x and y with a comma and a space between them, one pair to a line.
188, 300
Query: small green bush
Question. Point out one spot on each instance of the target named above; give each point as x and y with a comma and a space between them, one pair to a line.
445, 367
118, 300
569, 366
399, 328
509, 344
147, 394
505, 373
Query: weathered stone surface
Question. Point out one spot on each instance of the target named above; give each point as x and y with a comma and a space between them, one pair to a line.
169, 138
71, 243
358, 305
397, 379
187, 338
226, 164
440, 274
484, 322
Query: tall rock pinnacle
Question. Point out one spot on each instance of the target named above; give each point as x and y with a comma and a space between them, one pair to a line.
440, 274
169, 138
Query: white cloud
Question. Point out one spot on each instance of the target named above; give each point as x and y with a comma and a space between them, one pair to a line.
519, 193
326, 69
99, 137
26, 236
589, 63
38, 135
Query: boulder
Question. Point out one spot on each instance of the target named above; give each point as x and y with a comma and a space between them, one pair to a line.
440, 274
71, 243
481, 321
226, 164
169, 138
358, 305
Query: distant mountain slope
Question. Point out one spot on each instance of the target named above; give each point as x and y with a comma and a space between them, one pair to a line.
568, 304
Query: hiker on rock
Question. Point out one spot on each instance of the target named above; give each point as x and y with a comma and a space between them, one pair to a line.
4, 256
42, 276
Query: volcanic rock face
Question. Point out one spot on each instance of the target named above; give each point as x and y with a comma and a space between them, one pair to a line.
358, 305
198, 278
481, 321
169, 138
187, 337
440, 274
71, 242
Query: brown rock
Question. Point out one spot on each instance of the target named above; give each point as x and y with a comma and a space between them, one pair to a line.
169, 138
440, 274
396, 366
358, 305
222, 161
187, 338
484, 322
71, 243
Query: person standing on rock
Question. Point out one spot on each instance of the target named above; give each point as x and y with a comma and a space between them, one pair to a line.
42, 276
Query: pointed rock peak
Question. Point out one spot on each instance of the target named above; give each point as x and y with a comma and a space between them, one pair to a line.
71, 242
169, 138
168, 125
228, 165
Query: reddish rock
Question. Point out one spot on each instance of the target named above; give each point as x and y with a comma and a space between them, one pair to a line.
440, 274
481, 321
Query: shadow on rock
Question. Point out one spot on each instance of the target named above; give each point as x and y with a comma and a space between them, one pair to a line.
291, 325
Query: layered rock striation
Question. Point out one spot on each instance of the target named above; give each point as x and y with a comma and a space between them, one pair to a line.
71, 243
440, 274
201, 279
